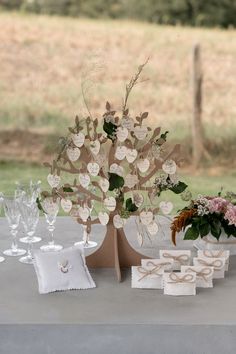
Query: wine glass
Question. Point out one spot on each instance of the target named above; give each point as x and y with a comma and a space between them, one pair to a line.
51, 208
12, 212
1, 203
29, 219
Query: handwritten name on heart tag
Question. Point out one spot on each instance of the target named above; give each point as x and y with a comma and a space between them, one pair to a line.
117, 169
140, 132
110, 203
166, 207
50, 206
84, 213
120, 152
169, 167
118, 222
95, 146
73, 153
131, 180
84, 179
93, 168
152, 228
104, 184
131, 155
127, 123
146, 217
122, 134
103, 218
138, 199
53, 180
66, 205
78, 139
143, 165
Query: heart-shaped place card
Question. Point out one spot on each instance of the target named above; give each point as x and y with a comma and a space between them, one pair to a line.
138, 199
122, 134
84, 179
118, 222
140, 132
166, 207
73, 153
131, 155
53, 180
66, 205
78, 139
104, 184
110, 203
120, 153
95, 146
152, 228
131, 180
103, 217
117, 169
93, 168
127, 123
84, 213
146, 217
143, 165
169, 167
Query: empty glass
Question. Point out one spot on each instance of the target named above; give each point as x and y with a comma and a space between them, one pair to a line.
51, 208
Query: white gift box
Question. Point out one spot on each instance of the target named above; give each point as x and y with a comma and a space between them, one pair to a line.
204, 275
166, 265
180, 283
180, 257
216, 254
217, 263
147, 277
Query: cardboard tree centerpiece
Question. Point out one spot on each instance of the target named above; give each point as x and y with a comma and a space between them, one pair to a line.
116, 173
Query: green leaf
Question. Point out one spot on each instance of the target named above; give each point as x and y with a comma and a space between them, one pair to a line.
191, 234
179, 188
110, 129
204, 229
115, 181
215, 229
39, 205
130, 206
67, 189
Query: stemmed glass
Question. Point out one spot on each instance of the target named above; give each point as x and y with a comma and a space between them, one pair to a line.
12, 212
29, 219
1, 202
51, 208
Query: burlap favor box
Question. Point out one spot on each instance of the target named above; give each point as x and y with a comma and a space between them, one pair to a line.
147, 277
217, 263
204, 275
178, 284
166, 265
180, 257
216, 254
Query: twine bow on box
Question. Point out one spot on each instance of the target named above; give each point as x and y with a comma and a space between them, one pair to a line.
182, 258
162, 264
146, 272
204, 273
210, 254
217, 264
188, 278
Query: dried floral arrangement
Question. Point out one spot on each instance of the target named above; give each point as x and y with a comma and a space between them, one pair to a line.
207, 215
106, 174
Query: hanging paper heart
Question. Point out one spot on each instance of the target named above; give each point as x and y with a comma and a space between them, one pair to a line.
146, 217
169, 167
103, 218
53, 180
104, 184
50, 206
95, 146
120, 152
166, 207
83, 213
84, 179
131, 155
143, 165
110, 203
152, 228
138, 199
131, 180
127, 123
117, 169
78, 139
101, 159
118, 222
140, 132
93, 168
66, 205
122, 134
73, 153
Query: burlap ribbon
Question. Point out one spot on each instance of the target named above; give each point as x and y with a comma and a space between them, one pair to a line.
217, 264
182, 258
146, 272
210, 254
204, 273
188, 278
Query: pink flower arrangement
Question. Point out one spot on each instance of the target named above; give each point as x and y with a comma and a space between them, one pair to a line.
230, 214
217, 205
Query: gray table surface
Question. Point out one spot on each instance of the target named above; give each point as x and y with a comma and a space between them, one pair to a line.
111, 305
